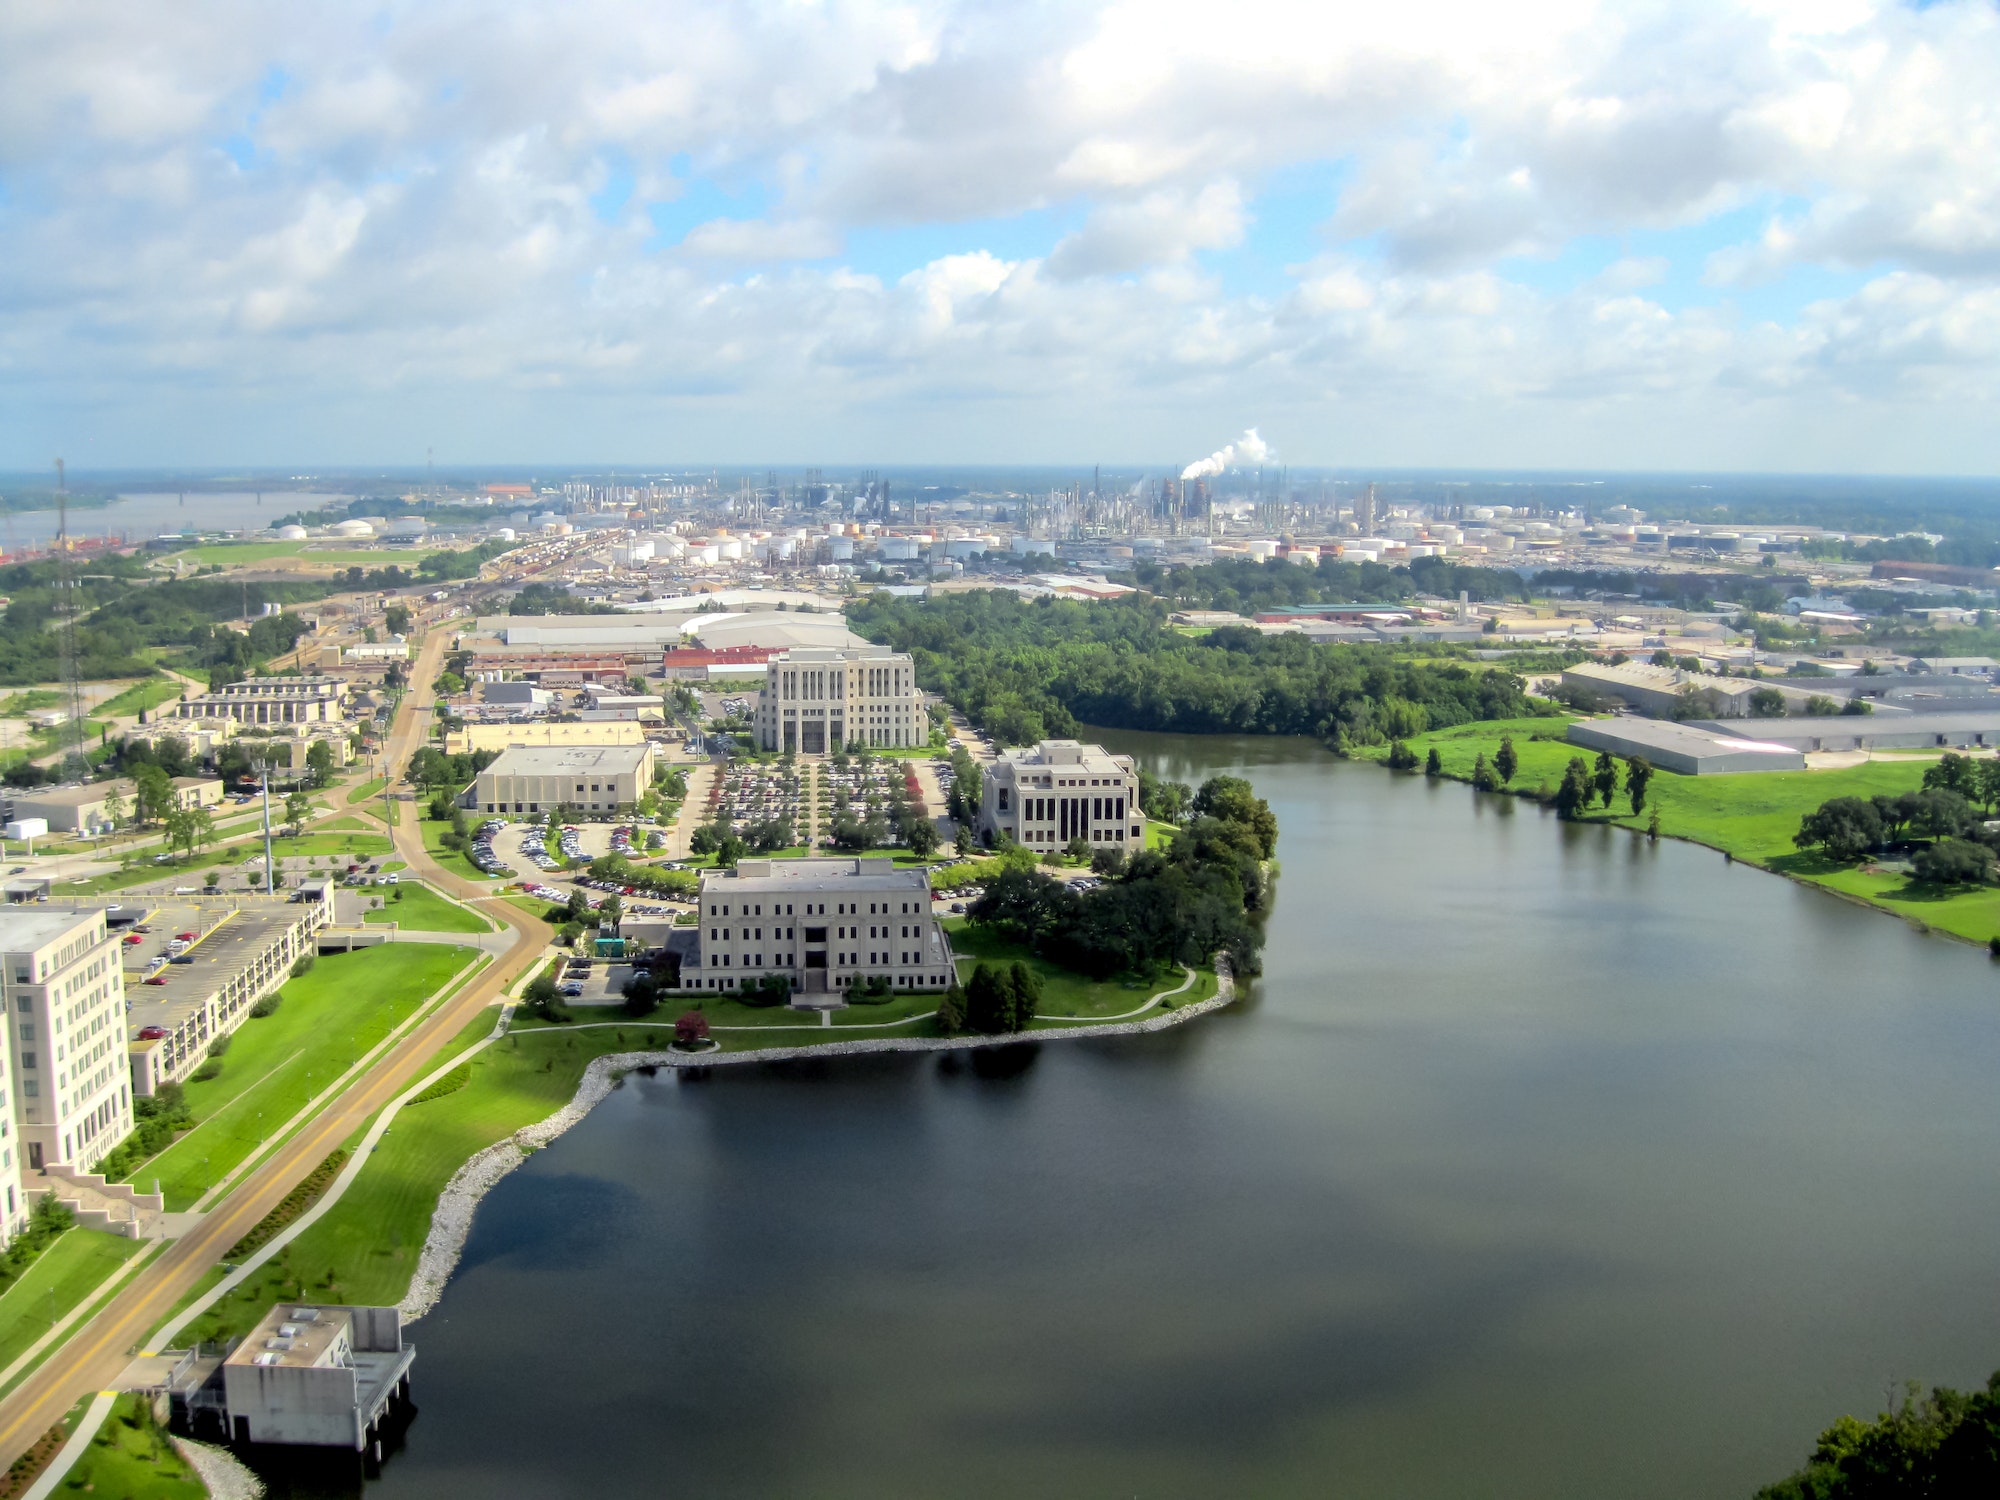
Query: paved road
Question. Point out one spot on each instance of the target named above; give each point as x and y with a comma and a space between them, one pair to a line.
102, 1346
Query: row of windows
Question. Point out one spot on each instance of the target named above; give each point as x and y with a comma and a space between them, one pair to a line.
790, 960
790, 934
905, 981
842, 908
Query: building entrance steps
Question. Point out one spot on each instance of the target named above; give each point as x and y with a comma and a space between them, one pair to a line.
110, 1207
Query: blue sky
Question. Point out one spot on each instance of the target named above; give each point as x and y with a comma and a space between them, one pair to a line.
1764, 236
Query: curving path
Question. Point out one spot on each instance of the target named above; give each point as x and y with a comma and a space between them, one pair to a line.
101, 1347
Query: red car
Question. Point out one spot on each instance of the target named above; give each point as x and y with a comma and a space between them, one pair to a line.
185, 937
152, 1033
133, 937
157, 979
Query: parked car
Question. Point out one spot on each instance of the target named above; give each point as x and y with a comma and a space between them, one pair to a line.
131, 938
184, 937
155, 979
571, 990
152, 1033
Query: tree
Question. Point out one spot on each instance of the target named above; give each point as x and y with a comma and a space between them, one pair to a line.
1638, 775
1077, 849
1942, 814
691, 1030
189, 829
397, 618
153, 794
951, 1011
989, 1000
1955, 773
1505, 761
1573, 796
1953, 862
114, 807
298, 807
1108, 862
1024, 992
542, 999
319, 765
1844, 828
1989, 782
1821, 706
1233, 800
1401, 756
1433, 764
1483, 779
923, 837
1767, 703
1605, 778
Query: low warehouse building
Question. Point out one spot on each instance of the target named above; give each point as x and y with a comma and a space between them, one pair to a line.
1972, 729
600, 781
1688, 749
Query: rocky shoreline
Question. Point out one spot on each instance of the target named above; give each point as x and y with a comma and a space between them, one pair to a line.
459, 1201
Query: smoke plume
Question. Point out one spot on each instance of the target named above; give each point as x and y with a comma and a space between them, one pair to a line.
1248, 449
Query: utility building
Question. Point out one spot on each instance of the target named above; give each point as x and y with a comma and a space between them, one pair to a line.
1061, 790
318, 1376
270, 700
817, 699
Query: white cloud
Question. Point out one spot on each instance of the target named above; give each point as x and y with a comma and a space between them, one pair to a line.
215, 202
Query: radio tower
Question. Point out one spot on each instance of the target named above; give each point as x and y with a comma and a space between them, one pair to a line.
66, 609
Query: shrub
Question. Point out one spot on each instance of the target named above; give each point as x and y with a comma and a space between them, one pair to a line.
268, 1006
304, 965
208, 1070
451, 1083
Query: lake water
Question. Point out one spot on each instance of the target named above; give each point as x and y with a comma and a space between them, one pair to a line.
1540, 1161
141, 515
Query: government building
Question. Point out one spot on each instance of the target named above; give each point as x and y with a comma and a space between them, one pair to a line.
821, 699
599, 781
1061, 790
270, 700
63, 982
824, 924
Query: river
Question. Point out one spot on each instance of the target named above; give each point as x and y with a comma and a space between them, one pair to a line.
1540, 1161
142, 515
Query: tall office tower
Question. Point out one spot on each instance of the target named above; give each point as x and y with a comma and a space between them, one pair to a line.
64, 987
1364, 511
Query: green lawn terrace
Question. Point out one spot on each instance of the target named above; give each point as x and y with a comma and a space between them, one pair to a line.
1750, 816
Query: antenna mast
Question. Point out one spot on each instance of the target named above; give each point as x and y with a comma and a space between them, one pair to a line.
66, 609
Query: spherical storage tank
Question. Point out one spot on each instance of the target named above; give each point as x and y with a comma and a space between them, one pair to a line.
291, 533
353, 528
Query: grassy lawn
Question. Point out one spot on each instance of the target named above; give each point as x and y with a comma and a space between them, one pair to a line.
1751, 816
148, 694
453, 860
370, 1240
71, 1269
366, 790
353, 845
1065, 992
131, 1457
238, 554
421, 909
343, 825
327, 1018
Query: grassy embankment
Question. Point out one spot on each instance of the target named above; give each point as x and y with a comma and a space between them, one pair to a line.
1065, 992
366, 790
130, 1457
66, 1273
144, 695
1751, 817
275, 1064
418, 908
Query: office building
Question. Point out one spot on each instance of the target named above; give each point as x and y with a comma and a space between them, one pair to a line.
819, 699
824, 924
1059, 790
270, 700
598, 781
65, 993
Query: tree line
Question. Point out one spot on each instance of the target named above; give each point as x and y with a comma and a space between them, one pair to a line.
1947, 812
1030, 670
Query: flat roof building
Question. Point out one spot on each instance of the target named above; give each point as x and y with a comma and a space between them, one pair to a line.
1970, 729
1688, 749
818, 699
64, 989
269, 700
87, 808
317, 1375
824, 924
599, 781
1045, 795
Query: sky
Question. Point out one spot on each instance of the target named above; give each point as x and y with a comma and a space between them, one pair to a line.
1748, 236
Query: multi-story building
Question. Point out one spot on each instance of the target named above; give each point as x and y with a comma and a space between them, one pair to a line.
824, 924
270, 700
65, 994
1061, 790
87, 808
600, 781
818, 699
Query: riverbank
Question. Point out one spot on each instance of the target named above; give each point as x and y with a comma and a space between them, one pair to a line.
1749, 817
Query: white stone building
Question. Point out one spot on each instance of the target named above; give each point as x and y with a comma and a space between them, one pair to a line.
819, 699
65, 994
600, 781
270, 700
1060, 790
822, 923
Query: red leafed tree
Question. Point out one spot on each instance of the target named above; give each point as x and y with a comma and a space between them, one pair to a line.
691, 1029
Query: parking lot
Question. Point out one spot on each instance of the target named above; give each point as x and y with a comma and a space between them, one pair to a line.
602, 984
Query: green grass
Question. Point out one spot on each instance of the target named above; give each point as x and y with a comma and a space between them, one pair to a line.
454, 860
237, 554
366, 790
146, 695
33, 700
1751, 816
420, 909
326, 1018
130, 1457
1065, 992
343, 825
370, 1240
353, 845
72, 1269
